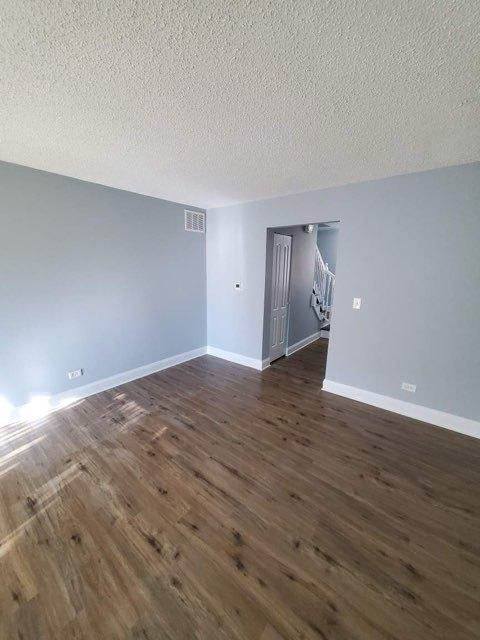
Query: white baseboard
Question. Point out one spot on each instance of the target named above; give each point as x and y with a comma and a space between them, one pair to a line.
418, 412
303, 343
324, 334
231, 356
43, 404
256, 363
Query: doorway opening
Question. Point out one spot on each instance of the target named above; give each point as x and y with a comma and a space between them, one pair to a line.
300, 280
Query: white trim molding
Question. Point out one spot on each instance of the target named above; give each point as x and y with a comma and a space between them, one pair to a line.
43, 404
238, 358
325, 334
303, 343
433, 416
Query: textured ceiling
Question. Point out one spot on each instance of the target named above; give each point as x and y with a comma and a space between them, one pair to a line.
224, 101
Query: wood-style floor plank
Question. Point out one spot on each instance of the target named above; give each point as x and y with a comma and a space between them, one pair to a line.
211, 501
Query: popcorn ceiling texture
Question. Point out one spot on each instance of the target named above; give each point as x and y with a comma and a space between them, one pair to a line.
217, 102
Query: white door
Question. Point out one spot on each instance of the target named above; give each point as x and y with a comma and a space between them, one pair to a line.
282, 249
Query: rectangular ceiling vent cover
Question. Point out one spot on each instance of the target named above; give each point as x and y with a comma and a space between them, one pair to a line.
194, 221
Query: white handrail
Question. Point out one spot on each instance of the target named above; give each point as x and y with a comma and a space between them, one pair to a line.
323, 287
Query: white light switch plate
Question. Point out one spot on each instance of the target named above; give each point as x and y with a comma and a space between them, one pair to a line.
75, 374
357, 303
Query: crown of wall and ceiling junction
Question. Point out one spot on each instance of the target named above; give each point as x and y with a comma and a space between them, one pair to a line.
218, 102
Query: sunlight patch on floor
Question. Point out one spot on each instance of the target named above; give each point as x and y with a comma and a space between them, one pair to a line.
44, 499
38, 407
19, 450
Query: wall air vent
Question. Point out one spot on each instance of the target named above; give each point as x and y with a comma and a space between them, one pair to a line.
194, 221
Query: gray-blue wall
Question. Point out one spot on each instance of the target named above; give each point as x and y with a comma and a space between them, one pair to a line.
327, 242
409, 246
93, 278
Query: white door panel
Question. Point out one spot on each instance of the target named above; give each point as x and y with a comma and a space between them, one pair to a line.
282, 249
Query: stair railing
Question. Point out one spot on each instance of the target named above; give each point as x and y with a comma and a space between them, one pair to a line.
323, 288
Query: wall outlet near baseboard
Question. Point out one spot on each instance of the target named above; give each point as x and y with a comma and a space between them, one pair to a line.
406, 386
75, 374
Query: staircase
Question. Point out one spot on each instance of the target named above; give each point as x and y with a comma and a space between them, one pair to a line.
323, 289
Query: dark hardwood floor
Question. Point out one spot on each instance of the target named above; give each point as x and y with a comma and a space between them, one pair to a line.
213, 501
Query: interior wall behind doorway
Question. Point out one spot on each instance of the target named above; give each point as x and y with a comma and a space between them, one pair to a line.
327, 240
302, 320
